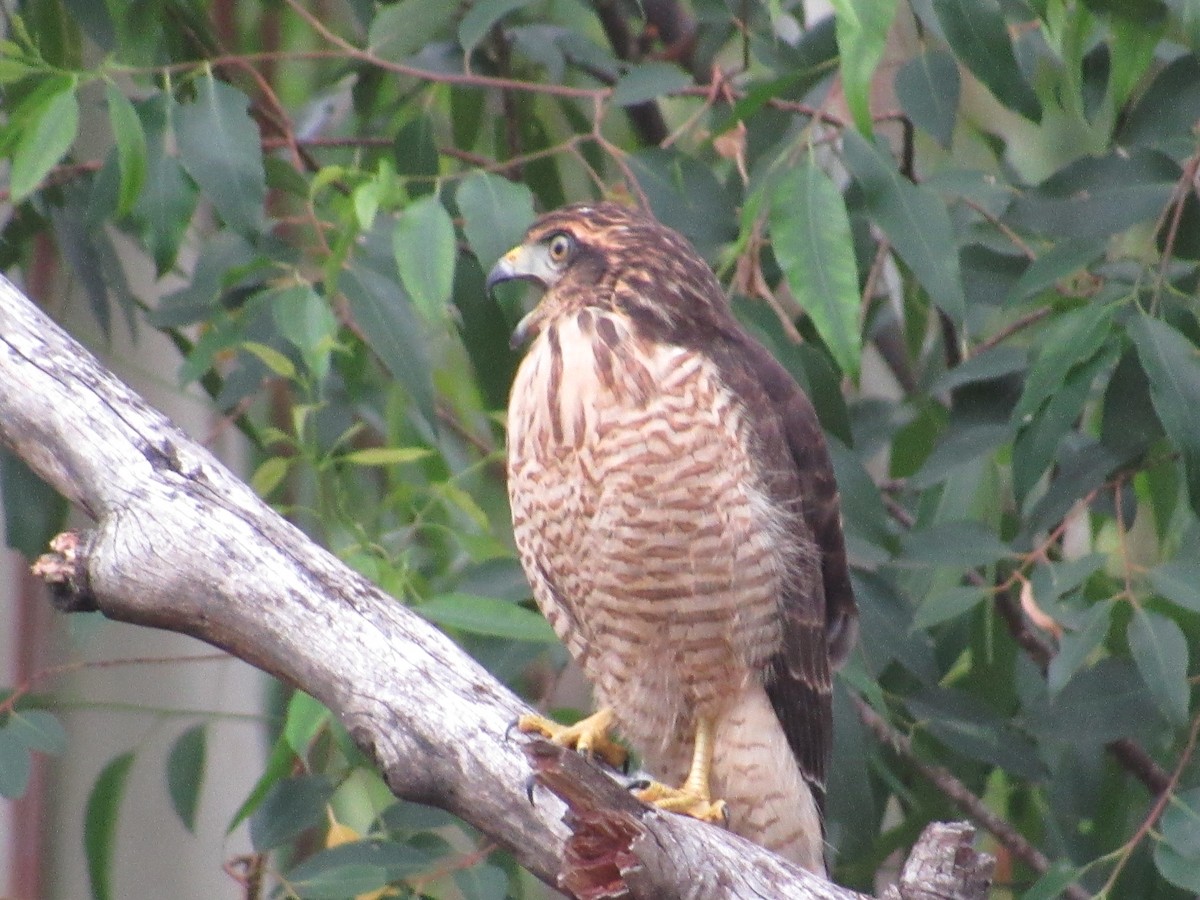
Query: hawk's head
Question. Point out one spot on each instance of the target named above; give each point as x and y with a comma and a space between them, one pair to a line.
607, 256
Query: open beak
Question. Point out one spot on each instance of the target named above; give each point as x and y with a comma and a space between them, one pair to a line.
523, 263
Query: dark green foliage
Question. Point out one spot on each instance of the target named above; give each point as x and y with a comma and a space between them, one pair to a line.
1001, 335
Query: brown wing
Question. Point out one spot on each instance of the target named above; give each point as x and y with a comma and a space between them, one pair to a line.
819, 613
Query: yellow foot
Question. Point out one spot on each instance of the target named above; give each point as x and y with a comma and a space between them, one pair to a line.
682, 800
589, 736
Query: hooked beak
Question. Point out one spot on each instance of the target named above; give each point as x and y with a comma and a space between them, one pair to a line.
523, 263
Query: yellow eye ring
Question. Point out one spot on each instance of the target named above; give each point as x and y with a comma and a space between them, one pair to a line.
560, 247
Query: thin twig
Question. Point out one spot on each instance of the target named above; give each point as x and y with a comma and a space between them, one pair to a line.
1156, 810
1000, 226
1008, 331
8, 704
1183, 189
463, 78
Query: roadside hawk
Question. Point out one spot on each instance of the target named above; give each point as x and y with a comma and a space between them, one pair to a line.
675, 511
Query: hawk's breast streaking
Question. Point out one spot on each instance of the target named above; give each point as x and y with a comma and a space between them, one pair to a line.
675, 511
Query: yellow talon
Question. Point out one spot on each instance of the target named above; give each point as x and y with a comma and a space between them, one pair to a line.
679, 800
693, 797
589, 736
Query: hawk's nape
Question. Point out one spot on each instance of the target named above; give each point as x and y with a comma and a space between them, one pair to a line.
675, 511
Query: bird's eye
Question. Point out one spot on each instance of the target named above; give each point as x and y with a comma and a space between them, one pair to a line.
560, 247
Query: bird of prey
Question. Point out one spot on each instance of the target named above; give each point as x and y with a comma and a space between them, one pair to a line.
675, 510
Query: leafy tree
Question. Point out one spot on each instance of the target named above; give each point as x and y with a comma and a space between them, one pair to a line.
969, 229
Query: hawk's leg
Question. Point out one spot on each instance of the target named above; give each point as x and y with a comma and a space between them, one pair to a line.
589, 736
693, 797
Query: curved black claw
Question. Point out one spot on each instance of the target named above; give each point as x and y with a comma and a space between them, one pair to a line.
530, 784
511, 726
638, 784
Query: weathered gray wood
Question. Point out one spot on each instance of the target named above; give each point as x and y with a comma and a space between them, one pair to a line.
944, 865
179, 543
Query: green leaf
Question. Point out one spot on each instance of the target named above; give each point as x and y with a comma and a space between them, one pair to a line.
480, 18
1095, 197
1076, 646
306, 718
33, 511
1129, 426
994, 363
1074, 339
271, 358
46, 139
401, 29
862, 29
1061, 261
1134, 38
1052, 884
356, 862
131, 148
968, 726
649, 81
684, 194
101, 818
810, 233
1099, 705
168, 199
384, 315
976, 31
290, 807
1182, 871
303, 317
1041, 433
487, 616
38, 730
1180, 824
915, 221
425, 249
957, 447
386, 456
57, 33
337, 882
1172, 364
495, 213
219, 146
928, 87
1164, 115
948, 604
1178, 581
270, 472
14, 763
484, 882
415, 155
961, 544
1160, 652
279, 766
185, 773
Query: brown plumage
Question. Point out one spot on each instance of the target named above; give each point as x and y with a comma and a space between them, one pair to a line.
675, 511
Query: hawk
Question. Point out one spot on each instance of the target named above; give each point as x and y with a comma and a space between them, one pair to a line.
675, 510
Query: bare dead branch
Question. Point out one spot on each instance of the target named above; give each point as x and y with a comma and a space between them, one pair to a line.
180, 544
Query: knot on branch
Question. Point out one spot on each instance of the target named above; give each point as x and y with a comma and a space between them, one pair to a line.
64, 569
944, 865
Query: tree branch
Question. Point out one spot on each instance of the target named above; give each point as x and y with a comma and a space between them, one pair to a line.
181, 544
646, 118
962, 797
